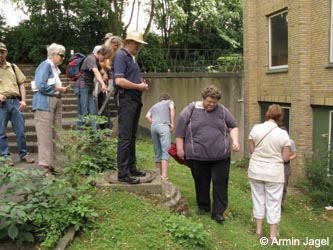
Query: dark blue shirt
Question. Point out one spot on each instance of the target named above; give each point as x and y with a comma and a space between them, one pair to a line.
125, 66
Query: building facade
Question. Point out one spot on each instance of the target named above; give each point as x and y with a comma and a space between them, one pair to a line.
288, 59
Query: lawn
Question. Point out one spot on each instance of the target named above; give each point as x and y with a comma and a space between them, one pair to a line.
132, 221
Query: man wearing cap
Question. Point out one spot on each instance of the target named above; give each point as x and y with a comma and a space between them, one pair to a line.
107, 36
12, 104
128, 88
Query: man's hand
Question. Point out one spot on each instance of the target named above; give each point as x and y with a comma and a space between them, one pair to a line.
143, 86
22, 106
2, 98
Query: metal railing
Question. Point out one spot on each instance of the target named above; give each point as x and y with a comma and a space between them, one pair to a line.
189, 60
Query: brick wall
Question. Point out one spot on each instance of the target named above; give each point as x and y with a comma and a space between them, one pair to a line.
308, 80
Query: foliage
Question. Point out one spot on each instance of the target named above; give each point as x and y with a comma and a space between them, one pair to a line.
80, 25
88, 151
133, 221
38, 209
61, 206
187, 232
319, 183
243, 163
230, 63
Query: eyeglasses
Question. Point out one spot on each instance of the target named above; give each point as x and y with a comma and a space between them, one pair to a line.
61, 55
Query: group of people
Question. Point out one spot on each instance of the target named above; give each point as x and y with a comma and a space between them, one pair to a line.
202, 134
202, 130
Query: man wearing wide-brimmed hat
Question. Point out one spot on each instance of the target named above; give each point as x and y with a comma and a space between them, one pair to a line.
12, 104
129, 86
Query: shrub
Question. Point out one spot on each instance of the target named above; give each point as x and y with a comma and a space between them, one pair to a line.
38, 209
319, 182
188, 232
88, 151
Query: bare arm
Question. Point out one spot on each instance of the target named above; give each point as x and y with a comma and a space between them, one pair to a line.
251, 146
172, 117
126, 84
99, 78
180, 147
149, 118
22, 102
292, 156
234, 134
286, 153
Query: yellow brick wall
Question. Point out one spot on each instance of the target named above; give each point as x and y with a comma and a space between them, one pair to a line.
308, 80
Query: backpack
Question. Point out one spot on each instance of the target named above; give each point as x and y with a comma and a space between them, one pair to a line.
74, 65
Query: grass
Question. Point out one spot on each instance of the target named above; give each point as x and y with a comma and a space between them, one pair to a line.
132, 221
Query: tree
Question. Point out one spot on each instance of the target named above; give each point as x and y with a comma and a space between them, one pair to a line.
2, 26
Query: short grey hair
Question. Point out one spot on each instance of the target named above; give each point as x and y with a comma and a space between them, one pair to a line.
55, 48
114, 39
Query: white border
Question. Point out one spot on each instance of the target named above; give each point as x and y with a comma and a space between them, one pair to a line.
269, 43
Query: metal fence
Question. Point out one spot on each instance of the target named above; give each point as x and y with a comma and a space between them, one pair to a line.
190, 60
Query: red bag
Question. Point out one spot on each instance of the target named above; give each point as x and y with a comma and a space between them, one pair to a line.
173, 153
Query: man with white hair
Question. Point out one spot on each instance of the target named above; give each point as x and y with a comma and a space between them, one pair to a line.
12, 105
128, 86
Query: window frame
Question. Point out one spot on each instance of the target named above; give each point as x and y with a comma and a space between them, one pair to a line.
330, 143
331, 35
270, 42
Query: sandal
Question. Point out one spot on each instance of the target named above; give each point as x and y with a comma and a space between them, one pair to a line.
53, 171
48, 175
164, 178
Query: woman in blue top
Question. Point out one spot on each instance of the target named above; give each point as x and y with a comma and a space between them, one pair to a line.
46, 105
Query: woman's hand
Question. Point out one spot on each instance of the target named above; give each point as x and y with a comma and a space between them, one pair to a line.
235, 146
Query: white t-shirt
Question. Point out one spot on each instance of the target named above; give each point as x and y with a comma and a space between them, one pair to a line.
266, 161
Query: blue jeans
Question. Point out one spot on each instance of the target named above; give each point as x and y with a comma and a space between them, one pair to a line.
85, 106
160, 134
9, 111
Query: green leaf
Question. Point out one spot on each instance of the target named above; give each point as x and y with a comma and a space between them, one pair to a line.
13, 231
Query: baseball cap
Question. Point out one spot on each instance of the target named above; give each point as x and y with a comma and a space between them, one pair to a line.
107, 36
3, 46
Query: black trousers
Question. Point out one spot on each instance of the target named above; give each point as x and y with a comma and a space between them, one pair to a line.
217, 172
129, 110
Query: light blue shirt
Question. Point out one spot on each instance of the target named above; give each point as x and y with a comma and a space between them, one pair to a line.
43, 80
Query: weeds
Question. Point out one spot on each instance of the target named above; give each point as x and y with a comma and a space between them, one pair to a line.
319, 183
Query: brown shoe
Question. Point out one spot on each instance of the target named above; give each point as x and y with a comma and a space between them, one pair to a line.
9, 163
28, 159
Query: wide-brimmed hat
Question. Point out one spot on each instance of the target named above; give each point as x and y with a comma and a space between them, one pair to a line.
3, 46
135, 35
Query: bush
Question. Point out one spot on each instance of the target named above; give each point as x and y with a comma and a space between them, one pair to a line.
38, 209
319, 183
87, 151
188, 232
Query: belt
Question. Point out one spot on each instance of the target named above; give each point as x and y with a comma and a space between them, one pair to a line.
57, 96
12, 97
286, 162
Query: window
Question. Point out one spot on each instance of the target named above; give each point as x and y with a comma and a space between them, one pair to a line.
278, 40
331, 34
286, 120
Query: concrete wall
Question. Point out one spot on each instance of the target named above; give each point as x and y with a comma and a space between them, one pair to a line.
187, 87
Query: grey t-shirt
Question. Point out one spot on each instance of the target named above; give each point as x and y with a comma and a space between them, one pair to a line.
206, 133
87, 75
160, 112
